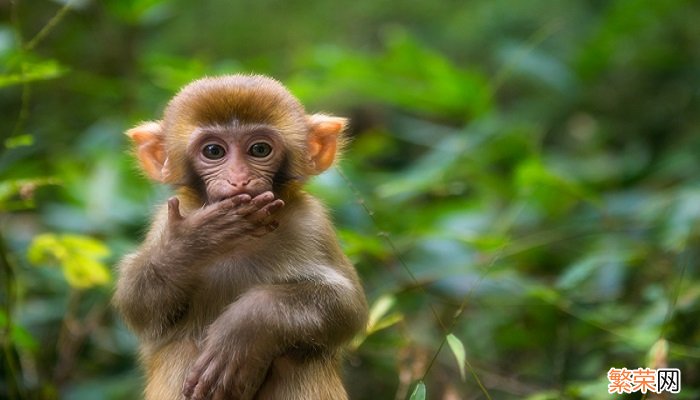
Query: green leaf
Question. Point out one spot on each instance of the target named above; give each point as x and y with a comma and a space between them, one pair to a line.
544, 293
428, 170
23, 339
418, 392
77, 255
457, 348
386, 322
34, 72
378, 319
19, 141
85, 245
18, 334
172, 72
139, 11
407, 74
545, 395
84, 272
358, 244
380, 307
545, 187
45, 248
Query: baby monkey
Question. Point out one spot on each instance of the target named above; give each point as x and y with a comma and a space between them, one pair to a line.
240, 289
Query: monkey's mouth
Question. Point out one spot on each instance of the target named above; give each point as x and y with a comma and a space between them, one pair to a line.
233, 193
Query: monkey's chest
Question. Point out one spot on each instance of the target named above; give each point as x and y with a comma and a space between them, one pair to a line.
223, 282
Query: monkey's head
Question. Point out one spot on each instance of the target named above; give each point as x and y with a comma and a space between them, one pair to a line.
236, 134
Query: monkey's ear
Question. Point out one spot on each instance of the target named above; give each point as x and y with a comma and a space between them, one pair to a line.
150, 148
324, 140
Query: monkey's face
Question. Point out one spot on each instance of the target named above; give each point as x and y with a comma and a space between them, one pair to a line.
235, 134
236, 159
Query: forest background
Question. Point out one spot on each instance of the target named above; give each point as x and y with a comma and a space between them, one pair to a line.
520, 196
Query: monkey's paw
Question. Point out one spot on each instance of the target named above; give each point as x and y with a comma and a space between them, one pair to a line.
221, 374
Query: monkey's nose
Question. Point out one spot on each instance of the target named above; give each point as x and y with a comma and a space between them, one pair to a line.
240, 183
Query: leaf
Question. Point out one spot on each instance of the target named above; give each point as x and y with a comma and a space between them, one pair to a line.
45, 248
358, 244
445, 155
77, 255
139, 11
380, 307
19, 141
457, 348
86, 245
172, 72
545, 294
418, 392
386, 322
23, 339
36, 71
18, 334
84, 272
378, 319
547, 189
574, 276
537, 64
658, 354
427, 170
407, 74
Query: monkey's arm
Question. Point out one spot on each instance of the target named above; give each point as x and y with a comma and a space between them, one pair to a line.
270, 321
156, 282
310, 315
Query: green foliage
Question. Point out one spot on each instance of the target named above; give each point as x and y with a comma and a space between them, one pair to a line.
18, 335
521, 183
406, 74
418, 392
19, 141
460, 354
33, 71
77, 255
379, 318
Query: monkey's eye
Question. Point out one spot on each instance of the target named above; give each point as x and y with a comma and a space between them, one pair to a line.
213, 151
260, 150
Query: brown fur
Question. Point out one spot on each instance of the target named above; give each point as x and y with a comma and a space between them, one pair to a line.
226, 306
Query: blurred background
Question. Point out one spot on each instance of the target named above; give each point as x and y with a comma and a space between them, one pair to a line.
521, 194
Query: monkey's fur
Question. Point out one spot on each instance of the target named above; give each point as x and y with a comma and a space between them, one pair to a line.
240, 289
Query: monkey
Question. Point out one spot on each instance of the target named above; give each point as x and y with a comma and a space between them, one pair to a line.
240, 289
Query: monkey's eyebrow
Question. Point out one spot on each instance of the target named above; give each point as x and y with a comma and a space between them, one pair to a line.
201, 131
234, 129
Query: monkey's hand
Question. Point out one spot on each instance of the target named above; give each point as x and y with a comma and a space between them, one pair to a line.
217, 224
233, 363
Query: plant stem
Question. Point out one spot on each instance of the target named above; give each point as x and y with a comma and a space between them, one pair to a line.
15, 388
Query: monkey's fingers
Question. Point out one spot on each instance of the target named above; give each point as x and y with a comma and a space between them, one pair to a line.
241, 381
255, 204
240, 199
262, 199
215, 211
267, 210
225, 206
200, 380
270, 208
174, 209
